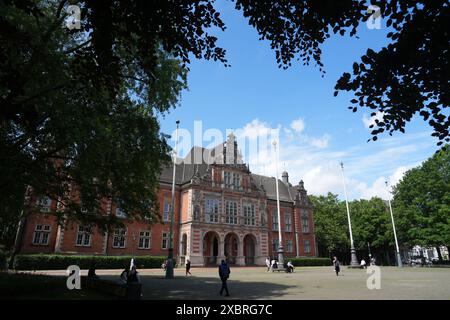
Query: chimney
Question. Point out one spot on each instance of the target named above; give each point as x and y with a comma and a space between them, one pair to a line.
285, 177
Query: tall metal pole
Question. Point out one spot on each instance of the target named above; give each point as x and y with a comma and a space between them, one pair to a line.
354, 259
170, 262
399, 258
280, 236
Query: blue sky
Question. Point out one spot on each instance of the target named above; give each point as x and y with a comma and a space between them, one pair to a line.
317, 131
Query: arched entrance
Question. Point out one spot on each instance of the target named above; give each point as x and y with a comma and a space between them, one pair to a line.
231, 247
250, 250
211, 248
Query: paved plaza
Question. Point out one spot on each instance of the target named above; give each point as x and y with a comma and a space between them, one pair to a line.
318, 283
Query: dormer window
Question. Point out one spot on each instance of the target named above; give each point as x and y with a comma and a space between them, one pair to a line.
236, 180
227, 179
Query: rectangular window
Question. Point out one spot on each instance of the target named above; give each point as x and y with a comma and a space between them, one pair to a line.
275, 245
41, 234
305, 224
227, 179
249, 215
44, 204
236, 180
307, 246
288, 222
196, 216
289, 246
212, 210
84, 236
275, 220
120, 236
165, 240
231, 211
145, 240
167, 210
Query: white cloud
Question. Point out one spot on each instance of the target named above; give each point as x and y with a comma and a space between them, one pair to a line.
368, 121
311, 159
320, 142
298, 125
255, 129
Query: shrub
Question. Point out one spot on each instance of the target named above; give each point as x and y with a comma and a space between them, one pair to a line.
311, 262
62, 262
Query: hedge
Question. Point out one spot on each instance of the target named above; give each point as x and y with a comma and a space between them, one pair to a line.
310, 262
62, 262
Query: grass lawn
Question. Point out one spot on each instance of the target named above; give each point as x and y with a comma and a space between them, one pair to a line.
315, 283
41, 287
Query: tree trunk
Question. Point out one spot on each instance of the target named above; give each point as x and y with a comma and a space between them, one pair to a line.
18, 241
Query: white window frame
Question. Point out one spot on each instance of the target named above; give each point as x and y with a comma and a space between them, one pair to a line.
41, 232
237, 180
120, 235
167, 209
249, 214
275, 221
305, 224
228, 179
165, 239
231, 212
288, 222
212, 210
305, 246
145, 240
84, 232
289, 246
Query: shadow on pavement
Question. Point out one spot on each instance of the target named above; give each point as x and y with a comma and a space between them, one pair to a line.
203, 288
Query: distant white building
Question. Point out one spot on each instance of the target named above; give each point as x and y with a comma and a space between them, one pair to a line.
428, 253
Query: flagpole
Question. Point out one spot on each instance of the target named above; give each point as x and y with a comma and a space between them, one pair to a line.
354, 260
170, 262
399, 258
280, 236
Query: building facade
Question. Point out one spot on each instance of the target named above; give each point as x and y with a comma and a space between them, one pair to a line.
222, 211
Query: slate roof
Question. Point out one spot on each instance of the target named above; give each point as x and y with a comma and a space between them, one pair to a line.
186, 170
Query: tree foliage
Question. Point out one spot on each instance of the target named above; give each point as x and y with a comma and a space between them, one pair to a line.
422, 203
80, 107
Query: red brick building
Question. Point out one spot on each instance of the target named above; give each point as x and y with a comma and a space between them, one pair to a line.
221, 210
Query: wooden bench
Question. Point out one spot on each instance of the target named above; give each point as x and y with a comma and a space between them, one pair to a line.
131, 291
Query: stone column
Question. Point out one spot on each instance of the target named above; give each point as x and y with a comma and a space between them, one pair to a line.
240, 259
221, 255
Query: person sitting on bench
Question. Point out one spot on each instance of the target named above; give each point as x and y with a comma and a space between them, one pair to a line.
290, 267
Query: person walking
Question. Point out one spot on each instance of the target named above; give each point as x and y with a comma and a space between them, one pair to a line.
337, 266
224, 274
268, 264
188, 268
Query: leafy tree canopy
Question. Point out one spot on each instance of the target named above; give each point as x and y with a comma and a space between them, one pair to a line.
89, 98
422, 202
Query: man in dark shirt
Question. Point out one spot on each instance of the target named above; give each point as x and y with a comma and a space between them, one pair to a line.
224, 273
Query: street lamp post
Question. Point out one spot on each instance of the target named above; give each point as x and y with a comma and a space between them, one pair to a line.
170, 263
354, 260
280, 236
399, 258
